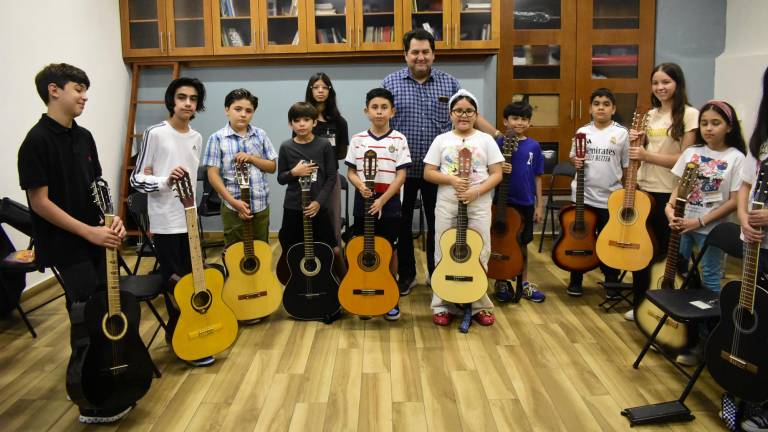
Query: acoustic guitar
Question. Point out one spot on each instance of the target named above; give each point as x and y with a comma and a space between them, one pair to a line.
369, 288
459, 277
312, 290
736, 353
114, 369
575, 248
252, 291
506, 260
206, 324
674, 335
624, 242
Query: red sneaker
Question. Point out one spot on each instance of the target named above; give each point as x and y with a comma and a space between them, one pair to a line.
442, 318
484, 318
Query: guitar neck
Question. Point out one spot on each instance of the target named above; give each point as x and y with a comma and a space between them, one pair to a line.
309, 245
673, 247
749, 271
368, 235
579, 222
630, 183
195, 251
461, 225
245, 196
501, 199
113, 281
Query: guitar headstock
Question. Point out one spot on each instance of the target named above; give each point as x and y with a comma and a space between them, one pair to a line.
305, 183
640, 120
688, 179
369, 165
102, 196
184, 191
761, 185
580, 145
242, 175
465, 162
511, 142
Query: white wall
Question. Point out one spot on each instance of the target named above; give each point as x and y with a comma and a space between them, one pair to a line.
85, 33
739, 70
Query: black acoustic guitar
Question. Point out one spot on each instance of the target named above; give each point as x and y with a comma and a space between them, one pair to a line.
312, 290
737, 350
110, 367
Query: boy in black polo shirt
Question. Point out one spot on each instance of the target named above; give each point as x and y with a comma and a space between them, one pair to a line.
57, 164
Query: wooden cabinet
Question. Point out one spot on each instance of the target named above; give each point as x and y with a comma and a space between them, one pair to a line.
258, 26
555, 53
153, 28
456, 24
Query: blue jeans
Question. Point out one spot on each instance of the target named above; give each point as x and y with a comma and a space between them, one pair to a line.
710, 263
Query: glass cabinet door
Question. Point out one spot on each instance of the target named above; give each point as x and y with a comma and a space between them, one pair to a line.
330, 25
430, 15
234, 27
282, 27
189, 26
378, 24
476, 24
143, 28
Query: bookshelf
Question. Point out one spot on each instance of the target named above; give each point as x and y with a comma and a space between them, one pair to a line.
457, 24
153, 28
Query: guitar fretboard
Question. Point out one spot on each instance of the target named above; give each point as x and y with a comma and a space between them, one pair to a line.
749, 272
245, 196
461, 225
368, 235
195, 251
578, 224
113, 279
503, 192
673, 247
309, 246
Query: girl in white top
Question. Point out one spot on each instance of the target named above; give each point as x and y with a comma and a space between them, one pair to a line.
719, 152
441, 168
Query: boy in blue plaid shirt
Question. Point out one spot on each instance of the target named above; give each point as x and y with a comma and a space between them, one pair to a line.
239, 142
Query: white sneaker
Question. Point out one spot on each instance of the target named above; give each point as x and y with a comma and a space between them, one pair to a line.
94, 419
630, 315
687, 358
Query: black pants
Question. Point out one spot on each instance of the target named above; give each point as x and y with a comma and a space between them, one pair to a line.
658, 225
406, 260
611, 274
174, 258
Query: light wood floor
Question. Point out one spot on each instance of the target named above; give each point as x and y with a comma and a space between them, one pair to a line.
560, 365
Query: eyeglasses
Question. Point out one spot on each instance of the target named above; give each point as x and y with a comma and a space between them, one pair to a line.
464, 113
320, 87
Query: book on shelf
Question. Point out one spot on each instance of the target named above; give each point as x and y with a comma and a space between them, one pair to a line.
295, 38
231, 37
434, 31
484, 7
227, 8
294, 10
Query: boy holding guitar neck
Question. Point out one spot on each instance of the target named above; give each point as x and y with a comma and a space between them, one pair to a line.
58, 184
392, 159
606, 160
240, 143
170, 150
524, 192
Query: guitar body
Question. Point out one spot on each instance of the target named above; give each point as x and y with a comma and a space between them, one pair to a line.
736, 353
281, 270
206, 325
251, 290
624, 242
312, 291
462, 281
110, 374
368, 288
674, 335
575, 249
506, 260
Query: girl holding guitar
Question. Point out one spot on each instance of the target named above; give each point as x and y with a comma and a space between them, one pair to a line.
604, 160
671, 129
719, 153
441, 166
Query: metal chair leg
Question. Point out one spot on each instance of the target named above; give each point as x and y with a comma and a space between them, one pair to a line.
26, 321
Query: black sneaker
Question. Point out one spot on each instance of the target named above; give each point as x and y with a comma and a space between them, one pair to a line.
612, 294
405, 285
575, 290
503, 291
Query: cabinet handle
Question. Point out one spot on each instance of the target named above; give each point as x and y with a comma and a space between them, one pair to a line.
359, 37
455, 35
446, 34
261, 39
571, 116
256, 36
169, 42
579, 109
162, 50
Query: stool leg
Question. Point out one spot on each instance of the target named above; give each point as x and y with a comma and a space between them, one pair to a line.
26, 321
647, 346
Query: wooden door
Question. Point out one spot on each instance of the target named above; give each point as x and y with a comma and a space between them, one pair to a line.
283, 26
143, 28
330, 25
431, 15
189, 28
475, 24
379, 25
235, 27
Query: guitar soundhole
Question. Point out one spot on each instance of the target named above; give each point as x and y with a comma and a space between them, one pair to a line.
310, 267
499, 227
114, 326
201, 301
628, 215
368, 260
578, 230
250, 265
460, 253
744, 320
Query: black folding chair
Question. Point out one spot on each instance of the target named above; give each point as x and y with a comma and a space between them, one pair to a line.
346, 234
562, 169
684, 306
137, 208
209, 205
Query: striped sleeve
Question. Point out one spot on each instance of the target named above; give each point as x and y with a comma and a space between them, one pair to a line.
146, 181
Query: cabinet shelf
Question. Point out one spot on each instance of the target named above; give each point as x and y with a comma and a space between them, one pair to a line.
189, 19
136, 21
229, 18
282, 17
378, 13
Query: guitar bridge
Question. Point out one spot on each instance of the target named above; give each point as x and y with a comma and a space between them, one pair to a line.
312, 295
205, 331
458, 278
579, 252
252, 295
623, 244
739, 363
368, 292
115, 370
499, 256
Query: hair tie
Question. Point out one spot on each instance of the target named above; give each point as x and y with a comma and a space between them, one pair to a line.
462, 92
723, 107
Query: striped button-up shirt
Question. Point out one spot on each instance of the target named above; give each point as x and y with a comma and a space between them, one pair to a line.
220, 152
422, 110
